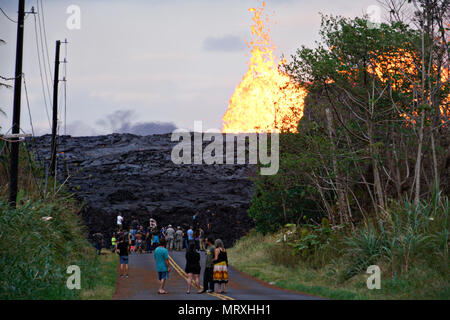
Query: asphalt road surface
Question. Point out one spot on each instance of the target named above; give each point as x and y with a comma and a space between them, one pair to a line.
143, 283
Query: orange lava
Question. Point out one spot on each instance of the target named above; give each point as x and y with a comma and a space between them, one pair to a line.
266, 100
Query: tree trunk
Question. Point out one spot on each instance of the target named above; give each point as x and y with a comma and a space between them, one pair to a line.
419, 161
339, 180
435, 165
376, 173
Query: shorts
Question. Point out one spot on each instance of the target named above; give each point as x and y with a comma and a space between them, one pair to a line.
163, 275
123, 259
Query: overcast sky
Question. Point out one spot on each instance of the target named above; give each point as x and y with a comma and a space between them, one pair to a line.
135, 62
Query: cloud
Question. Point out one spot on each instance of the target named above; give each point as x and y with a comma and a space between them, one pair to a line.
227, 43
147, 128
121, 122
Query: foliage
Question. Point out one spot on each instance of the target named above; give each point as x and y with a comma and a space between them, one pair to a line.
43, 236
35, 253
357, 145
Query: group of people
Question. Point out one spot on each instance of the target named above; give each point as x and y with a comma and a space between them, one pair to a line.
145, 240
216, 267
140, 239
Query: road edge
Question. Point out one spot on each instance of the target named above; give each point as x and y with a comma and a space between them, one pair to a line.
272, 286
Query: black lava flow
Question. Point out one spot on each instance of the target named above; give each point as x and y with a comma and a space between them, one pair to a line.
135, 176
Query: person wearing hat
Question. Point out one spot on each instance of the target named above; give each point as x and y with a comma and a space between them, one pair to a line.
178, 239
170, 236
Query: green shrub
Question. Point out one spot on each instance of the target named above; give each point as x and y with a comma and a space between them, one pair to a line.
364, 249
409, 235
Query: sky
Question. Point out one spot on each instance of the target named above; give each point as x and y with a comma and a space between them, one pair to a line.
145, 66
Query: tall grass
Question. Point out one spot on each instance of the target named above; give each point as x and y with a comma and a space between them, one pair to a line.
411, 235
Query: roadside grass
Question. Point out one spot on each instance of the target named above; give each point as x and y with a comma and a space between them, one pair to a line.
250, 255
410, 247
106, 279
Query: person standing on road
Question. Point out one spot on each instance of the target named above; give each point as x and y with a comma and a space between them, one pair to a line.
197, 239
162, 233
123, 249
152, 224
208, 284
190, 236
178, 238
208, 219
119, 221
170, 237
220, 271
98, 242
185, 239
139, 242
132, 235
148, 241
192, 268
127, 236
113, 242
155, 240
202, 239
195, 219
134, 223
162, 265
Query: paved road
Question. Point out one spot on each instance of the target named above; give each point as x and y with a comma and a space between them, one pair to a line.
143, 284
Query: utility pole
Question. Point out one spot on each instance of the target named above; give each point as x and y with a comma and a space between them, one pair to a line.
55, 109
14, 168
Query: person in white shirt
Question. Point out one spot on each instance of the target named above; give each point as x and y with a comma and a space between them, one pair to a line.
170, 237
119, 221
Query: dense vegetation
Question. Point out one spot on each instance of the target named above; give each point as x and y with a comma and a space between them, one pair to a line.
42, 237
366, 178
411, 249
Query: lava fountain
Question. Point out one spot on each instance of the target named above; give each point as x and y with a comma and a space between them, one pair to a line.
267, 99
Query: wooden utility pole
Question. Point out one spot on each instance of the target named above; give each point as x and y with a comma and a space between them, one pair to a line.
14, 166
55, 109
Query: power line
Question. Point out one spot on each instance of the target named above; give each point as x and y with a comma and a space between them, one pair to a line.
7, 16
45, 38
28, 103
40, 72
7, 79
45, 62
